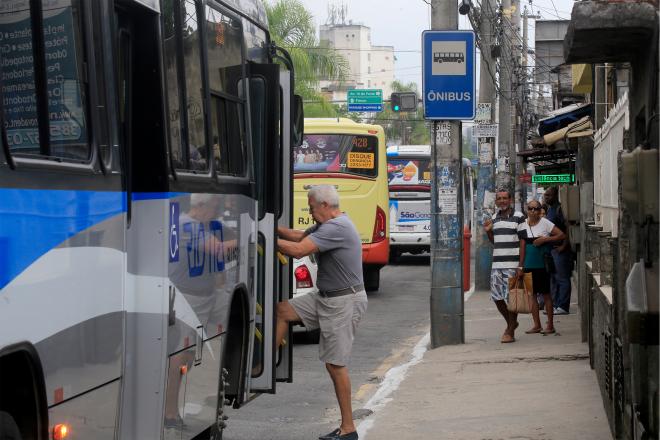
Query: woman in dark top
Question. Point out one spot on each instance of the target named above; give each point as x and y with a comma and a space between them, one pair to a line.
538, 233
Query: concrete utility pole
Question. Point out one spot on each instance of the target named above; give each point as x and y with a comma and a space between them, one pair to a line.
524, 107
447, 324
486, 148
517, 94
505, 162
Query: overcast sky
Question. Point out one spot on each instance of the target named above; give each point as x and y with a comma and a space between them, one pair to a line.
400, 23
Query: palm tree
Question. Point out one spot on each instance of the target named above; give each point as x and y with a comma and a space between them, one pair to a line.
292, 27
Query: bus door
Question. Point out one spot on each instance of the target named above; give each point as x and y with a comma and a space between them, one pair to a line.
141, 140
265, 102
285, 288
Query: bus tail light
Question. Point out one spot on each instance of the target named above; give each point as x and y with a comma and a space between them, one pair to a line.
303, 277
379, 226
61, 431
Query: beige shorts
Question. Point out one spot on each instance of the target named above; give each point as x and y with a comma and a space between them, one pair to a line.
337, 318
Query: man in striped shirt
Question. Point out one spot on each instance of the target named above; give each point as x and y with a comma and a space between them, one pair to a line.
502, 231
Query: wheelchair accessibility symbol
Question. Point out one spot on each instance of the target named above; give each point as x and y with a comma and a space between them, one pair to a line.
174, 232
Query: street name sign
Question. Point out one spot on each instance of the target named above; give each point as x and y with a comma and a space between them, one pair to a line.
448, 74
365, 100
553, 178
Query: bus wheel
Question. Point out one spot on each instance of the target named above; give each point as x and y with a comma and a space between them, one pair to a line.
371, 279
8, 427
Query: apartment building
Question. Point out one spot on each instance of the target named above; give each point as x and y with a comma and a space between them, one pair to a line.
371, 67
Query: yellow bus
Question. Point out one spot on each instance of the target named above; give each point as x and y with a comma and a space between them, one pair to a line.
352, 157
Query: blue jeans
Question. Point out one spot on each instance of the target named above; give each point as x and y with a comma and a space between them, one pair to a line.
560, 281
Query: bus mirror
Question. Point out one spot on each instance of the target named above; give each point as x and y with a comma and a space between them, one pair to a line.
298, 121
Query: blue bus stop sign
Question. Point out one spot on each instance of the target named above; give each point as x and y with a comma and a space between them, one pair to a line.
448, 74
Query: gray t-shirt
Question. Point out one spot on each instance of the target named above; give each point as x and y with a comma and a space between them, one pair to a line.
340, 259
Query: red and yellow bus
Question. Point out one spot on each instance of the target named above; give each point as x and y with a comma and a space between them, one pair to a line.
352, 157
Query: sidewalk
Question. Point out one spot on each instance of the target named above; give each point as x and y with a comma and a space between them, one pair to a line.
539, 387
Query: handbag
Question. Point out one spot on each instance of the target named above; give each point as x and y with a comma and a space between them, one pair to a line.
521, 294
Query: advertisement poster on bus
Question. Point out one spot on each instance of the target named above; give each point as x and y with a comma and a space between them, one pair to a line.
336, 153
410, 215
408, 172
65, 109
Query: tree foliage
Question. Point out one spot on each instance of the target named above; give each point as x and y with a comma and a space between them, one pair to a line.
292, 27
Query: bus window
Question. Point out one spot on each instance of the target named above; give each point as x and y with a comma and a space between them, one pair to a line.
258, 124
189, 147
60, 66
197, 148
105, 120
337, 153
225, 57
235, 129
172, 81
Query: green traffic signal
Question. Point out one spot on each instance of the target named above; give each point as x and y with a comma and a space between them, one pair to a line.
403, 102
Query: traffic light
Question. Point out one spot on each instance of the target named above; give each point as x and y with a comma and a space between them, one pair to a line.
403, 101
395, 101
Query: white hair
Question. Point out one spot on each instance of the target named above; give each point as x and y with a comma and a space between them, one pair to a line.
198, 199
325, 194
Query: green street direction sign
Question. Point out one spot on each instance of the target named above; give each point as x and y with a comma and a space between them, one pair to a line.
365, 100
553, 178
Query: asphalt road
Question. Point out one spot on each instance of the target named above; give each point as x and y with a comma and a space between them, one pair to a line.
397, 318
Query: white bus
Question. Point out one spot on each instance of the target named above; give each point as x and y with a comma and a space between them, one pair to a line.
145, 166
409, 180
409, 171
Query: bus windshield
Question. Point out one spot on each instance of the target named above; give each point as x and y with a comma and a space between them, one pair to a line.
408, 171
337, 153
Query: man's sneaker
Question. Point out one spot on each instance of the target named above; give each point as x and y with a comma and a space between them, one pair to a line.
334, 435
560, 311
331, 435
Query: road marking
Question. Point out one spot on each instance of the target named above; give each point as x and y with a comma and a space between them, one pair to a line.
469, 293
391, 382
394, 376
379, 373
363, 391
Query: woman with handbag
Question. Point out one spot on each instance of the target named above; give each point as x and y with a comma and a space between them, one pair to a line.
538, 233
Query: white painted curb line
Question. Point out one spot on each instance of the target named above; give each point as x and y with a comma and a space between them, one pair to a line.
394, 377
390, 384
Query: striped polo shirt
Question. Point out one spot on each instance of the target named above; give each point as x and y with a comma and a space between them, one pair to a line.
506, 247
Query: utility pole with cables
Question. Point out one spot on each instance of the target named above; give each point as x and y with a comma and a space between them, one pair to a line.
517, 101
486, 145
524, 107
509, 86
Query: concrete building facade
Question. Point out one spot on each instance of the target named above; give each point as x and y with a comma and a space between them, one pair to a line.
615, 47
371, 67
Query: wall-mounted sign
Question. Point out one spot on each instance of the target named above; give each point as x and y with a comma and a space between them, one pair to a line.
553, 178
483, 113
484, 131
